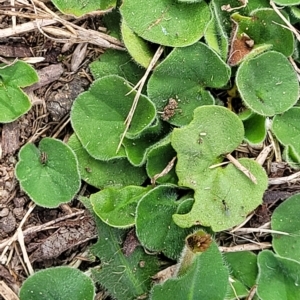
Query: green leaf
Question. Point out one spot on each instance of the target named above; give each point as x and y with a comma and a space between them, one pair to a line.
154, 225
264, 26
48, 174
255, 129
287, 2
166, 22
278, 277
183, 77
159, 157
98, 116
138, 149
215, 35
285, 218
287, 129
113, 62
242, 266
58, 283
206, 278
138, 48
103, 174
221, 194
268, 83
124, 277
116, 207
82, 7
13, 101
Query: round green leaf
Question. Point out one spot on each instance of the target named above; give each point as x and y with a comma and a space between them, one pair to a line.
103, 174
138, 48
221, 194
58, 283
278, 277
285, 218
154, 225
166, 22
116, 207
13, 101
183, 77
48, 174
98, 116
286, 128
268, 83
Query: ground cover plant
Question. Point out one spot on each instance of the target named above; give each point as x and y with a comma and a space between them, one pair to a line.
161, 138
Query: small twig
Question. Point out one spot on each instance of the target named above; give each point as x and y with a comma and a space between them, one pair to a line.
14, 237
287, 179
246, 247
242, 224
261, 158
219, 165
6, 292
283, 18
242, 168
276, 147
128, 120
23, 248
252, 292
165, 171
261, 230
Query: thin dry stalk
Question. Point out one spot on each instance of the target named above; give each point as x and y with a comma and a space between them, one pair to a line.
128, 120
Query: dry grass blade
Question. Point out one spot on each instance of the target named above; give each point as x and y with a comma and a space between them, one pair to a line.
128, 120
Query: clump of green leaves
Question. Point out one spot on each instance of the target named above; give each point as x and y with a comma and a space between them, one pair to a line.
167, 180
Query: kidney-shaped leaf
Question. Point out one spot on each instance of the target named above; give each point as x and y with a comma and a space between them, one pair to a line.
221, 194
268, 83
166, 22
58, 283
183, 77
13, 101
48, 174
98, 116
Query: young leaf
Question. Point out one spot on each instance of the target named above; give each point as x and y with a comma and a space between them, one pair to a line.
287, 130
255, 129
205, 278
58, 283
182, 77
154, 225
159, 158
268, 83
138, 48
48, 174
243, 266
13, 101
98, 116
285, 218
113, 62
103, 174
116, 207
221, 194
278, 277
166, 22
